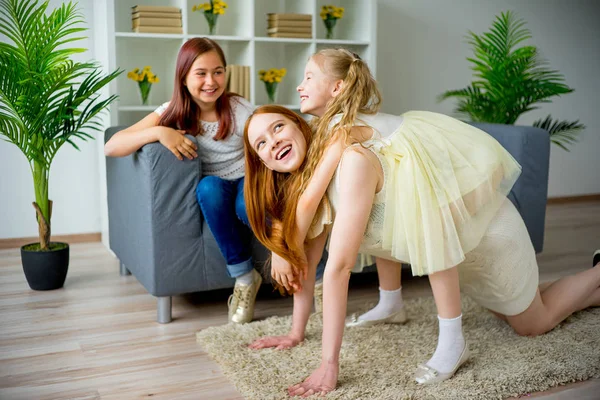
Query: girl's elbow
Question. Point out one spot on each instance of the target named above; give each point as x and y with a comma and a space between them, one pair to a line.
305, 206
114, 147
109, 150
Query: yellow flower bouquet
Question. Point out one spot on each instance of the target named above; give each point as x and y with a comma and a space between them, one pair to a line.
271, 78
145, 78
211, 11
330, 14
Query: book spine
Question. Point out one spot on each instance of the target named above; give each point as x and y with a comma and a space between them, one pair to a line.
155, 22
307, 30
228, 78
240, 80
291, 35
158, 29
147, 14
289, 16
283, 23
156, 9
233, 79
247, 82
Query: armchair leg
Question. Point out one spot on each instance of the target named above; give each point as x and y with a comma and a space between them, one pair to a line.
164, 310
124, 271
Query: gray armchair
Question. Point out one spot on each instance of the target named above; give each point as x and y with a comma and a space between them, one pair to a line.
531, 148
156, 228
157, 231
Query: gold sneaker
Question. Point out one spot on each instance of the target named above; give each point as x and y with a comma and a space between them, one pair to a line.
318, 297
241, 302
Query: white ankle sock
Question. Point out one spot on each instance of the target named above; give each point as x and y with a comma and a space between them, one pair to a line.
245, 279
390, 302
451, 344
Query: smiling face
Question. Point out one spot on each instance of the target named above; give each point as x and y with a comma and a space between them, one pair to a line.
206, 79
316, 89
277, 141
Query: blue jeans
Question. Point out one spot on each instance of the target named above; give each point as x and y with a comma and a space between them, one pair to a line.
224, 209
222, 204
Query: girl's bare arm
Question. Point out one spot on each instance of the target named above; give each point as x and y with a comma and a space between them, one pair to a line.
312, 196
130, 140
303, 300
358, 184
316, 188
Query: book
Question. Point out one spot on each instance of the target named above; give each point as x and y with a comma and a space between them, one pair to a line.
158, 29
240, 79
227, 77
247, 82
233, 79
155, 22
289, 23
291, 35
289, 16
149, 14
293, 29
144, 8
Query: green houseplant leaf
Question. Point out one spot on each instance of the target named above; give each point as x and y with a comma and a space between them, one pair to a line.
510, 80
46, 99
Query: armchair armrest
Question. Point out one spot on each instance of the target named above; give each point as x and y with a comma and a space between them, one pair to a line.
530, 146
155, 224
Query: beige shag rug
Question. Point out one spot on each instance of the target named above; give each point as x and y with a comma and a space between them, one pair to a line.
378, 362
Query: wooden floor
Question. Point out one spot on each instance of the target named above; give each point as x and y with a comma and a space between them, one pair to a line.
97, 338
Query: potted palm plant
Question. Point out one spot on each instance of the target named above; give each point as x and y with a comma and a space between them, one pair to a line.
46, 100
511, 80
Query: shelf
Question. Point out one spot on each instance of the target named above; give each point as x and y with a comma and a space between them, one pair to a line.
290, 106
341, 41
223, 38
240, 38
149, 35
234, 23
137, 108
152, 108
281, 40
289, 55
242, 34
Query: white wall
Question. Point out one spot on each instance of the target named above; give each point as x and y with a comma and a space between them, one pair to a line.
422, 52
74, 179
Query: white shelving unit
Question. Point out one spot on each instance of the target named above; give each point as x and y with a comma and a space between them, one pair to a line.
241, 32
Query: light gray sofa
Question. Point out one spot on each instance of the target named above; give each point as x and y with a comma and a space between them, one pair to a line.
158, 233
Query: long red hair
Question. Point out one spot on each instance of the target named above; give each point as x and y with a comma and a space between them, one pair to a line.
272, 197
183, 112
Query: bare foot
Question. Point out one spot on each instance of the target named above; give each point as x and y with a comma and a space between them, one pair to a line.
279, 342
321, 381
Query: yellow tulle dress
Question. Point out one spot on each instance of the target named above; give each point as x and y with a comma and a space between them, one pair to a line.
444, 181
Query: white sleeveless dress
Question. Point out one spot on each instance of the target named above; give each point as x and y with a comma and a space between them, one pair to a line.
443, 203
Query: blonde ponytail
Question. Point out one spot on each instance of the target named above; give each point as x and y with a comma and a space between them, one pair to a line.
359, 94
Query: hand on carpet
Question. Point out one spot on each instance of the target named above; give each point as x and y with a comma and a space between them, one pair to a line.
320, 382
279, 342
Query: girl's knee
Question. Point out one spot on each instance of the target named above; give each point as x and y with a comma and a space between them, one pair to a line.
240, 210
209, 183
531, 329
210, 188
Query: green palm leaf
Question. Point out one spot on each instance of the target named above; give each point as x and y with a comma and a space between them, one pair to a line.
46, 99
509, 80
562, 133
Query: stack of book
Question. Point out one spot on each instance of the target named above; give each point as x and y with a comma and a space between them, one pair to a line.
156, 19
237, 78
289, 25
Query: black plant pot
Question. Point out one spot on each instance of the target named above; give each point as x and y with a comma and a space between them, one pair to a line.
45, 270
